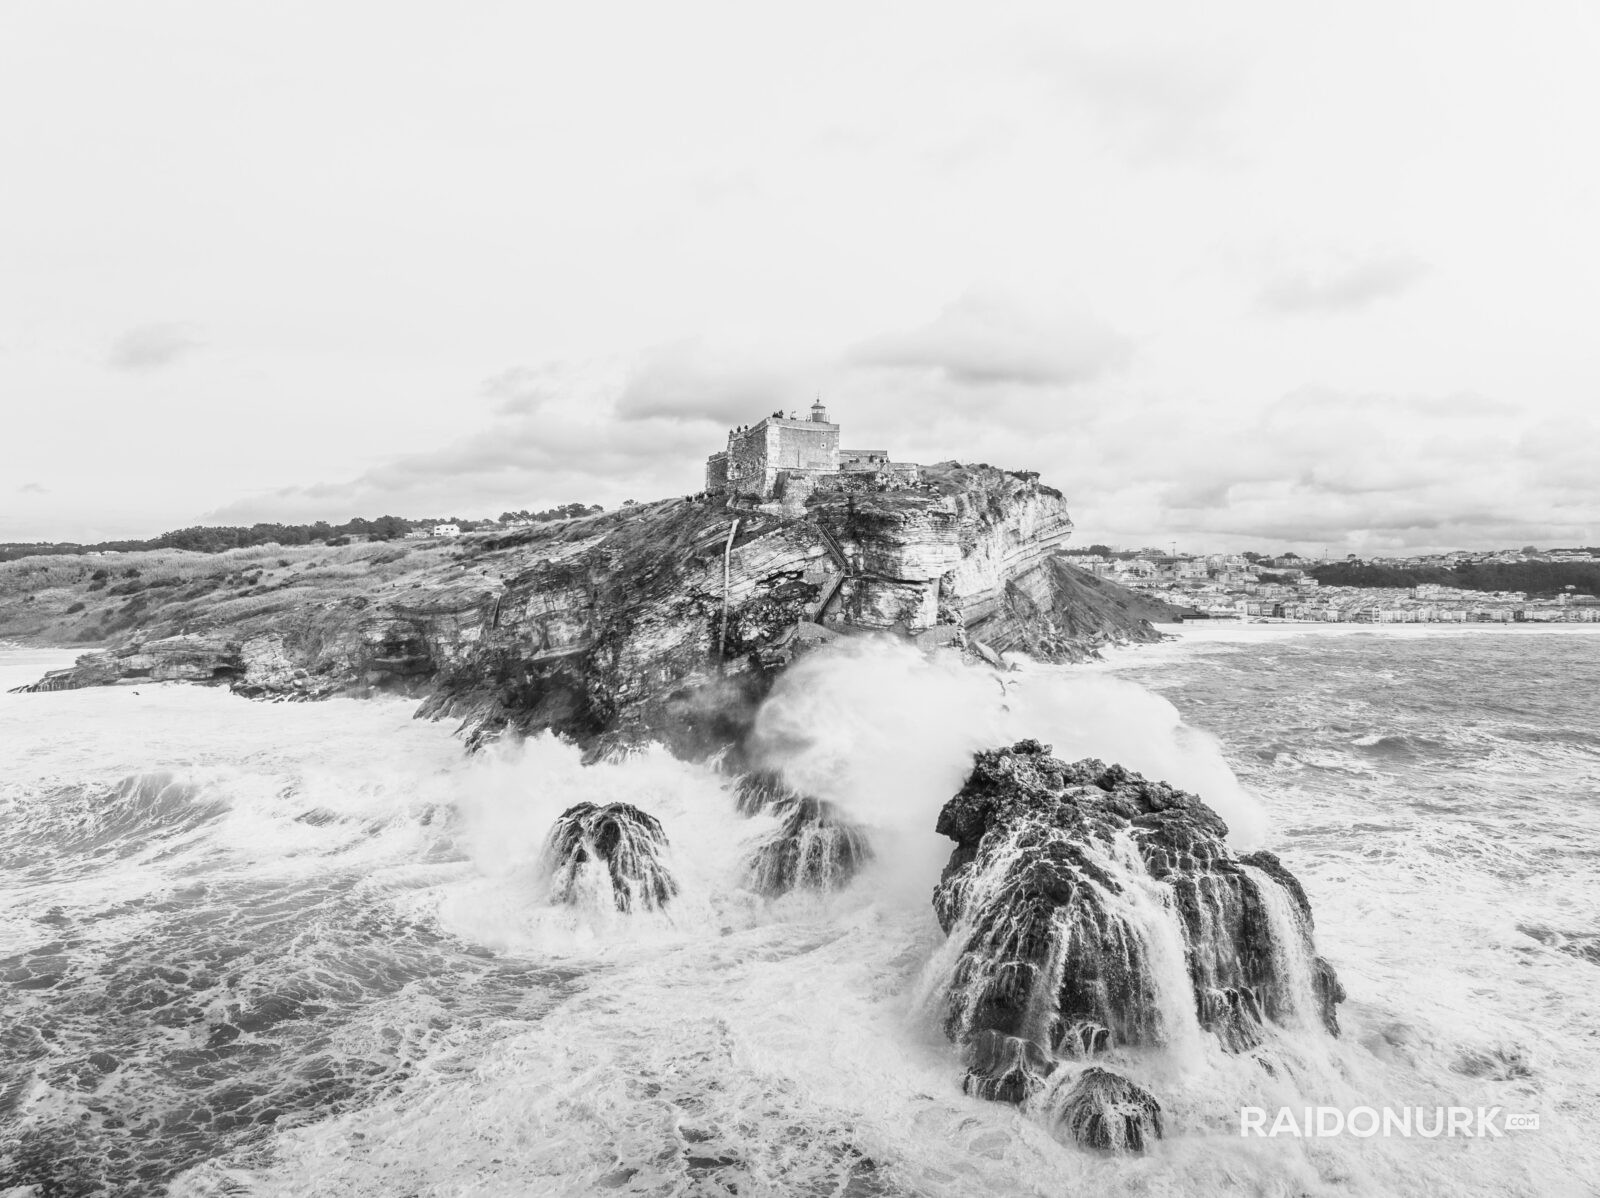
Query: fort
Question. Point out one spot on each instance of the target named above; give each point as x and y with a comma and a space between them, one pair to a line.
784, 459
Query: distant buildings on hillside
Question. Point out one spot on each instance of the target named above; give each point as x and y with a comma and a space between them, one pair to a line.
1235, 587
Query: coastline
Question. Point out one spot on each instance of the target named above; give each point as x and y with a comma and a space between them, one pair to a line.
23, 664
1192, 636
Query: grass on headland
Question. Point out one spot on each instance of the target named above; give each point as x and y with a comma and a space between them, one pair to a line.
77, 599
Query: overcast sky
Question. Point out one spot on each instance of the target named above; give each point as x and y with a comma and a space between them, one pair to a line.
1233, 275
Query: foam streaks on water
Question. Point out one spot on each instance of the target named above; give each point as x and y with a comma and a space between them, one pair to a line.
306, 950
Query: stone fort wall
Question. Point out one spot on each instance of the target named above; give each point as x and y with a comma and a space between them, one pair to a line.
756, 456
717, 473
786, 460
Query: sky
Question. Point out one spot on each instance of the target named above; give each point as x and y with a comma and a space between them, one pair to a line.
1232, 275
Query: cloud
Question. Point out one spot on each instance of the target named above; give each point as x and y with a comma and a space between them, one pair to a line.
533, 453
524, 390
1359, 471
984, 339
686, 380
1150, 103
33, 489
1342, 287
153, 346
1365, 472
641, 427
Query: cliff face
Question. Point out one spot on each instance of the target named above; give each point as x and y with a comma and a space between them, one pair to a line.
665, 621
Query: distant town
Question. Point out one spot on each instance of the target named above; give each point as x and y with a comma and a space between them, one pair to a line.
1560, 585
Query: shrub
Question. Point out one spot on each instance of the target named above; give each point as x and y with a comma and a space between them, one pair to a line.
74, 607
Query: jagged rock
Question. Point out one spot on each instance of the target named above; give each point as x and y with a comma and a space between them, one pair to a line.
1326, 984
1097, 909
815, 848
1005, 1068
983, 651
761, 791
1107, 1112
167, 659
610, 854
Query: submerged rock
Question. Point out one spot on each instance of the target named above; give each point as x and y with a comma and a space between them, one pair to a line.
622, 849
1099, 910
1107, 1112
816, 847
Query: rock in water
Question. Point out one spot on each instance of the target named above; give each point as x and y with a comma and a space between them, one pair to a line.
615, 849
816, 848
1005, 1068
762, 791
1096, 910
1105, 1111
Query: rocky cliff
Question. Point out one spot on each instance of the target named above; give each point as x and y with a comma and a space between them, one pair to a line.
666, 621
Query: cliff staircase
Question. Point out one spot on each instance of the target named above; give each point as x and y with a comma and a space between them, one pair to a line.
841, 560
827, 597
835, 550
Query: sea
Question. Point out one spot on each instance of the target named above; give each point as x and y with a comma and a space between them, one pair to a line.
258, 948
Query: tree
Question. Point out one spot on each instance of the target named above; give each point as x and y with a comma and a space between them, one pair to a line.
389, 528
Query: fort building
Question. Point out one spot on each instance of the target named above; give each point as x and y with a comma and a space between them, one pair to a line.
783, 459
758, 454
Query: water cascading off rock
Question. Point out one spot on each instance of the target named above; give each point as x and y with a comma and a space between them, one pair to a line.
1096, 910
815, 848
609, 854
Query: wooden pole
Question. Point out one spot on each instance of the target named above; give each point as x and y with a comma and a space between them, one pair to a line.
727, 558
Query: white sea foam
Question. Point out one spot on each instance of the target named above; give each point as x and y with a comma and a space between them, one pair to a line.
477, 1040
888, 733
